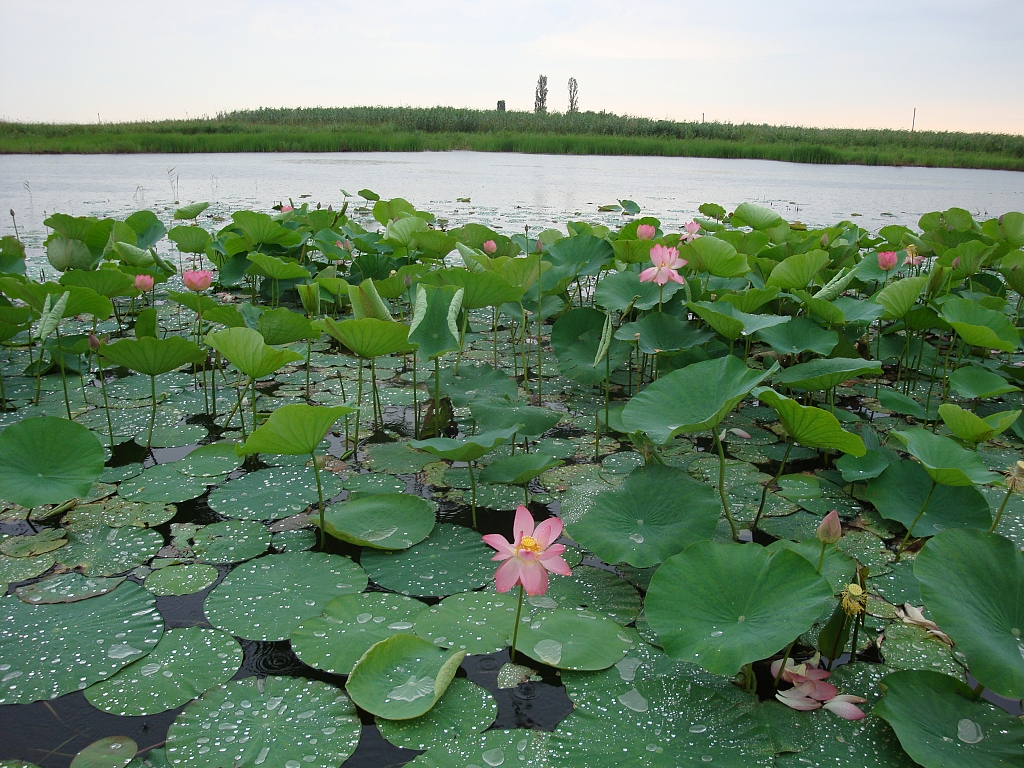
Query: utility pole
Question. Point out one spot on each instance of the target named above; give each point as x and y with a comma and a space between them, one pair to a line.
913, 120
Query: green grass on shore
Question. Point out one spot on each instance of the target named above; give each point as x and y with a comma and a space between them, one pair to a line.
382, 129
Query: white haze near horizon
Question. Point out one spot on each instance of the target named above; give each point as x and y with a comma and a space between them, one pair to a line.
862, 63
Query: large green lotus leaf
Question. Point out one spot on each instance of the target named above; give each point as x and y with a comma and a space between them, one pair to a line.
187, 212
826, 373
897, 402
66, 588
799, 335
451, 559
474, 622
366, 302
482, 289
369, 337
945, 461
795, 272
152, 356
163, 484
496, 412
189, 239
519, 469
466, 449
940, 725
183, 664
899, 492
710, 254
213, 460
274, 268
972, 428
181, 579
980, 327
294, 429
621, 290
576, 341
248, 352
661, 332
272, 722
465, 709
105, 282
108, 752
104, 551
972, 582
691, 399
809, 426
905, 646
837, 567
567, 639
402, 677
270, 494
589, 589
651, 707
283, 326
395, 458
587, 254
724, 605
197, 302
350, 626
755, 216
474, 381
527, 748
171, 435
230, 541
656, 513
899, 297
48, 460
433, 326
381, 521
976, 383
57, 649
266, 598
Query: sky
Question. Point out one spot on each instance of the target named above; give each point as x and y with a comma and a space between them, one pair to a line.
857, 63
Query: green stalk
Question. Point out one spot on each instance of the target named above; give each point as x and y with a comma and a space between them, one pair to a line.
515, 629
721, 485
416, 399
999, 514
309, 353
821, 557
785, 658
910, 530
764, 491
152, 414
472, 485
63, 375
320, 496
106, 406
437, 389
359, 406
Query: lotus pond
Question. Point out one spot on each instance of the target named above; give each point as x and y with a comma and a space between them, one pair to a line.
323, 487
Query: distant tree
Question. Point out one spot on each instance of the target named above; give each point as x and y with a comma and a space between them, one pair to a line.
501, 105
540, 97
574, 102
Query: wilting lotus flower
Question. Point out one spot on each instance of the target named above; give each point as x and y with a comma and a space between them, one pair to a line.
912, 615
845, 706
197, 280
646, 232
666, 261
887, 260
534, 553
830, 530
691, 228
144, 283
914, 258
809, 690
490, 247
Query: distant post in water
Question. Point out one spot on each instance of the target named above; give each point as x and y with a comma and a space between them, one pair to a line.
574, 102
501, 105
540, 96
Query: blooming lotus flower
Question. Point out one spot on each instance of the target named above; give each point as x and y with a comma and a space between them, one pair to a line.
666, 261
830, 530
914, 258
490, 247
807, 678
887, 260
144, 283
528, 559
691, 229
197, 280
646, 232
286, 209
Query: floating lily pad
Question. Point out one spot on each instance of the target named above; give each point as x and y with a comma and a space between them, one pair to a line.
910, 647
293, 541
108, 752
271, 494
181, 579
474, 622
15, 569
66, 588
520, 747
350, 626
117, 474
211, 460
381, 521
465, 709
47, 540
402, 677
396, 458
104, 551
451, 559
867, 549
373, 483
230, 541
266, 598
592, 589
897, 584
573, 640
172, 436
273, 722
117, 512
50, 650
162, 483
183, 664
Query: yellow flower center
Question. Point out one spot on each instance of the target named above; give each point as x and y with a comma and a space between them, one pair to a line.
530, 544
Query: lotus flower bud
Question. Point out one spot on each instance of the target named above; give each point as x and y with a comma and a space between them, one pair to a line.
887, 260
645, 232
824, 241
143, 283
490, 247
94, 342
830, 530
197, 280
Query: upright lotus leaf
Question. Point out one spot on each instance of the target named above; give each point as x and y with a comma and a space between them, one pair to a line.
197, 302
827, 373
809, 426
385, 211
276, 269
899, 297
656, 513
658, 332
587, 254
148, 228
691, 399
261, 229
369, 337
797, 271
47, 460
402, 677
717, 257
977, 383
248, 352
972, 428
294, 429
466, 449
132, 256
972, 582
282, 326
755, 216
730, 322
980, 327
433, 325
481, 289
105, 282
941, 723
151, 356
799, 335
190, 239
576, 339
721, 606
619, 291
945, 462
188, 212
366, 302
64, 254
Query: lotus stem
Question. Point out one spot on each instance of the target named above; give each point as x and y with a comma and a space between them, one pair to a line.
835, 645
462, 340
63, 375
910, 530
821, 557
255, 418
106, 406
309, 355
999, 514
494, 335
785, 658
416, 399
764, 491
721, 486
152, 413
515, 629
359, 407
472, 485
540, 328
320, 497
437, 391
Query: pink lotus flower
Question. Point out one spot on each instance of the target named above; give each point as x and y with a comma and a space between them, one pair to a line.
534, 553
956, 263
809, 690
844, 705
691, 228
646, 232
914, 258
887, 260
490, 247
666, 261
197, 280
286, 209
143, 283
830, 530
